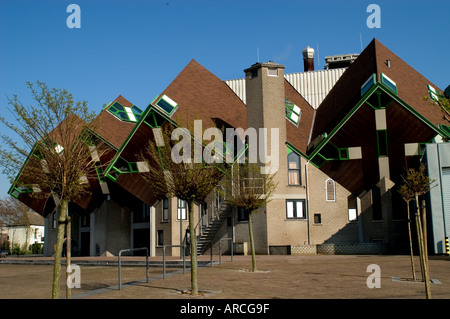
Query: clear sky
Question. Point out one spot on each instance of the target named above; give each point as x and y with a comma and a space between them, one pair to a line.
137, 47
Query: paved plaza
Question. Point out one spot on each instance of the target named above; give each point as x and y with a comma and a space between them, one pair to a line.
278, 277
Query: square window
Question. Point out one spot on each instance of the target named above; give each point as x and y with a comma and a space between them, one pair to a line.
295, 209
317, 218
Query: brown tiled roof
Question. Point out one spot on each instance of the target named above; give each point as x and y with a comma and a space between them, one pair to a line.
111, 128
202, 95
411, 86
298, 136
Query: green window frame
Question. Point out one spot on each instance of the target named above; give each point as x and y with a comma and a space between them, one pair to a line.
17, 190
125, 113
154, 120
368, 84
434, 95
388, 82
343, 154
445, 128
167, 105
293, 112
382, 143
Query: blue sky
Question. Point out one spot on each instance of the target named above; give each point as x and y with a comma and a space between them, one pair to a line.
136, 47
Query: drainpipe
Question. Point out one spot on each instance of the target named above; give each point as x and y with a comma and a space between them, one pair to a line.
307, 202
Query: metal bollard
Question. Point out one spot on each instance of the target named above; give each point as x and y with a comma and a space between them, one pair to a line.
447, 249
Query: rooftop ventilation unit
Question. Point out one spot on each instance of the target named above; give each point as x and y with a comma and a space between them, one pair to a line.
340, 61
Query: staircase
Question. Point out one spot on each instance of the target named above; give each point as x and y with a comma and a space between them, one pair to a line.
208, 235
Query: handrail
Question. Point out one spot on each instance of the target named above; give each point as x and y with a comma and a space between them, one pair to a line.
164, 258
120, 263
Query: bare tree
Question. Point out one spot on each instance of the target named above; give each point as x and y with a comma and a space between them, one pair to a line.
418, 184
52, 156
407, 196
174, 172
247, 188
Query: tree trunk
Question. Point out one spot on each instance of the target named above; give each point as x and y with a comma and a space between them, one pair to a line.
423, 259
59, 246
68, 257
413, 269
252, 242
425, 251
194, 283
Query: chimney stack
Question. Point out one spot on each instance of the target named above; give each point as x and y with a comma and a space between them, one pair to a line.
308, 59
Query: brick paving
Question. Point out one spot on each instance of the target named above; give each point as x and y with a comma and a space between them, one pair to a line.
278, 277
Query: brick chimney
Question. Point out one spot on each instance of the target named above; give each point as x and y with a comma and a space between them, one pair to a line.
308, 59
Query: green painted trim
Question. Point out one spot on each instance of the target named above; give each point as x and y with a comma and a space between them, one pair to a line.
344, 120
386, 143
133, 131
371, 80
124, 120
342, 158
161, 109
385, 79
377, 86
296, 150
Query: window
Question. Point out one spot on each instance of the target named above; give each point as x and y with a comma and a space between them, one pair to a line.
293, 112
368, 84
166, 104
352, 210
181, 209
242, 214
85, 221
317, 219
142, 215
124, 113
160, 238
433, 93
272, 72
388, 82
293, 169
54, 220
376, 204
382, 143
165, 215
295, 209
330, 189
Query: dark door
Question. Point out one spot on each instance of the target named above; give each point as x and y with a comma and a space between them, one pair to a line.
85, 243
141, 238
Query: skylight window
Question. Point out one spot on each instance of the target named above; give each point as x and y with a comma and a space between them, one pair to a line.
368, 84
124, 113
388, 82
293, 112
433, 93
166, 104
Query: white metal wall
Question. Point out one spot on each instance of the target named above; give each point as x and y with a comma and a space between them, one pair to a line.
446, 198
313, 86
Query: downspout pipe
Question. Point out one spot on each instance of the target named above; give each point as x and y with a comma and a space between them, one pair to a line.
307, 202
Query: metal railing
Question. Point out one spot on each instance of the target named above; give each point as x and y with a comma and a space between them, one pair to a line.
164, 257
120, 263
